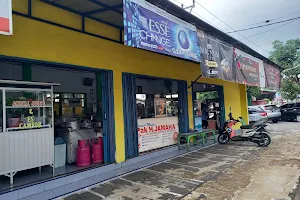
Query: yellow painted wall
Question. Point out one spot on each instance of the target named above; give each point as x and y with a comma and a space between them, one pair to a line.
40, 41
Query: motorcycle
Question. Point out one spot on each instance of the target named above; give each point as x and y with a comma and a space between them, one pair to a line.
255, 132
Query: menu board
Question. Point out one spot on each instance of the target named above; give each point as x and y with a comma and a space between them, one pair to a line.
157, 132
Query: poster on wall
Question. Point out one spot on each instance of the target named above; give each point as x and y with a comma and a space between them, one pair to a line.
6, 17
248, 69
151, 28
156, 133
272, 77
160, 107
198, 123
216, 58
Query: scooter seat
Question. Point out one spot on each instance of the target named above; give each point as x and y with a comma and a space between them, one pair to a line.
247, 127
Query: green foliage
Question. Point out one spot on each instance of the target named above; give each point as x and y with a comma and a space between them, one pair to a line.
207, 95
287, 55
290, 89
253, 91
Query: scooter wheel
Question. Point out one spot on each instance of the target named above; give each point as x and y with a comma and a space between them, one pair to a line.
266, 140
223, 138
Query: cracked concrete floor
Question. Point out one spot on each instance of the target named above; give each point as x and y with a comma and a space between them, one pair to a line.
237, 171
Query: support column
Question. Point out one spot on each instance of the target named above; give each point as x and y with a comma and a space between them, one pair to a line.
119, 117
191, 107
244, 103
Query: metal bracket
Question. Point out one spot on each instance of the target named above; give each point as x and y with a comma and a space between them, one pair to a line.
189, 7
195, 81
11, 177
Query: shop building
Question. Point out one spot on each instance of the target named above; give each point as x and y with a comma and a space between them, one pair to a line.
80, 47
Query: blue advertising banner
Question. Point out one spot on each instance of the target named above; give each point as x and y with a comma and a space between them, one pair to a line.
151, 28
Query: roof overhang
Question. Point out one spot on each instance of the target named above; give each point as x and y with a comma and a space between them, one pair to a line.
110, 12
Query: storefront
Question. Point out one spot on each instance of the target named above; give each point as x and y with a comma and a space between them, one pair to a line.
79, 99
140, 99
155, 112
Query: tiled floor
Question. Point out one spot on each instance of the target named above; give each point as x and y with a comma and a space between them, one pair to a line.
171, 179
32, 176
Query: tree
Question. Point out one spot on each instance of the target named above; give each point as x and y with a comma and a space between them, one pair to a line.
253, 91
287, 55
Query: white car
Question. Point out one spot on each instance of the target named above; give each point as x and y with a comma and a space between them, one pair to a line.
273, 112
257, 114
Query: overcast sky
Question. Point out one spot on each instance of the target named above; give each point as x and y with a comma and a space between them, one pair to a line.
240, 13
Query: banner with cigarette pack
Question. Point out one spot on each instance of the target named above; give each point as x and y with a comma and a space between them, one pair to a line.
216, 58
151, 28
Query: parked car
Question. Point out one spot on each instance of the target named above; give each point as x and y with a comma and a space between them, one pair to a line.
273, 112
257, 114
290, 112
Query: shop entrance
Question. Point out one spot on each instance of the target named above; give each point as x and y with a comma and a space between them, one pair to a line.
155, 113
82, 110
209, 110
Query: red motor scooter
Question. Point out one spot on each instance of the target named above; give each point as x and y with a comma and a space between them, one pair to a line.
256, 132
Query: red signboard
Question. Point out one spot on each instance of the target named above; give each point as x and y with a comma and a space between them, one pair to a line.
5, 17
272, 77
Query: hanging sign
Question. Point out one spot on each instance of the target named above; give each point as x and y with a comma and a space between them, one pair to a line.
157, 132
226, 58
216, 58
151, 28
5, 17
248, 69
272, 75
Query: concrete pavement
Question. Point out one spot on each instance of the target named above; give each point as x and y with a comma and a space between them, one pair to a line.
234, 171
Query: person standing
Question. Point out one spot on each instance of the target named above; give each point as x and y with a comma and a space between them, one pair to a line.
204, 116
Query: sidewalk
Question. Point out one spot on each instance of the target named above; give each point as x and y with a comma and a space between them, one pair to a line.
171, 179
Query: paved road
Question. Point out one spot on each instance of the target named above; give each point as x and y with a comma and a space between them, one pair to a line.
238, 171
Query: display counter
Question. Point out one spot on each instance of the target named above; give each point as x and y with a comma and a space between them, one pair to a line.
27, 133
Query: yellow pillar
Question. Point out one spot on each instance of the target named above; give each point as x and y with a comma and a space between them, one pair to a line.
119, 117
191, 108
244, 103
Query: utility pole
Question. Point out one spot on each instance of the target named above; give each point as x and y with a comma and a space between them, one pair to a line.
189, 7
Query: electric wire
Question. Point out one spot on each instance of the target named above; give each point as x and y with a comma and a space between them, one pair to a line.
271, 29
255, 27
267, 21
230, 27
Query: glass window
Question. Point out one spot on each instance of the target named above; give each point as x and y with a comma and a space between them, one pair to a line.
156, 106
1, 112
28, 110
